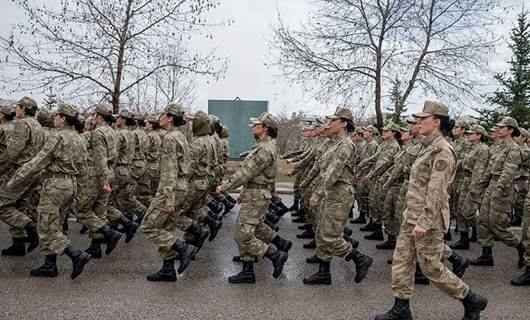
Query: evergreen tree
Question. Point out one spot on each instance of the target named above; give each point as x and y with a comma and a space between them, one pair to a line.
398, 106
50, 100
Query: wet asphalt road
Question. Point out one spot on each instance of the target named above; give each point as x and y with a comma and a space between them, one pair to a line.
115, 287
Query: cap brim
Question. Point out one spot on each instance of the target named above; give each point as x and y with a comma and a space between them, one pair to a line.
412, 121
332, 117
421, 115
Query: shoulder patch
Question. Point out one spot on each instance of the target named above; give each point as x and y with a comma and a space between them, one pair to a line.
440, 165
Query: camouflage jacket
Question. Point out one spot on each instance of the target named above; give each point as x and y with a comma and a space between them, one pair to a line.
524, 172
404, 164
368, 157
23, 144
6, 128
102, 152
432, 172
141, 144
461, 146
201, 156
304, 162
385, 158
153, 152
474, 164
125, 145
317, 169
175, 167
503, 166
259, 167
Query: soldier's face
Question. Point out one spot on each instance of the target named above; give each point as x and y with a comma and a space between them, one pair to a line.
415, 129
367, 135
164, 121
20, 112
428, 125
387, 134
337, 126
406, 136
148, 127
58, 121
473, 137
258, 130
504, 132
458, 131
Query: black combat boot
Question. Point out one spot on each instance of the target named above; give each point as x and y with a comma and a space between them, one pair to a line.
48, 269
95, 248
369, 227
283, 208
214, 226
313, 259
278, 259
377, 234
129, 228
167, 273
348, 231
474, 235
83, 229
111, 237
459, 264
448, 236
522, 280
199, 234
516, 221
323, 276
228, 206
295, 206
473, 305
520, 252
245, 276
186, 254
310, 245
400, 311
215, 206
307, 234
17, 249
273, 217
390, 244
419, 277
229, 198
354, 243
305, 226
485, 259
362, 264
361, 219
65, 225
33, 236
300, 219
238, 259
79, 260
282, 244
463, 243
298, 213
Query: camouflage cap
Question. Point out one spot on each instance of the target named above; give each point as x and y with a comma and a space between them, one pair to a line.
67, 109
102, 109
462, 124
477, 129
507, 122
358, 130
213, 118
125, 113
199, 113
404, 129
412, 120
341, 113
45, 118
371, 129
391, 126
27, 102
431, 108
327, 125
152, 118
320, 120
138, 116
7, 109
524, 133
493, 129
265, 118
308, 127
175, 109
89, 119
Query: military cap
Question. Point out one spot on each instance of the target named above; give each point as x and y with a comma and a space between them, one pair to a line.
44, 118
225, 133
152, 118
27, 102
320, 120
199, 113
524, 133
412, 121
88, 119
327, 125
265, 118
138, 116
67, 109
507, 122
358, 130
308, 127
477, 129
404, 129
341, 113
175, 109
493, 129
462, 124
213, 118
7, 109
125, 113
102, 109
371, 129
432, 108
391, 126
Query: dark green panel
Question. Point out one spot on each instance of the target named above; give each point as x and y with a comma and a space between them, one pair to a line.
236, 114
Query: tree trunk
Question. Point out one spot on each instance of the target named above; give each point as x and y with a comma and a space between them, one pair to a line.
121, 54
378, 89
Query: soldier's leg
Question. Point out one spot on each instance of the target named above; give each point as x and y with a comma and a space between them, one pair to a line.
330, 229
404, 264
500, 215
88, 202
377, 198
485, 236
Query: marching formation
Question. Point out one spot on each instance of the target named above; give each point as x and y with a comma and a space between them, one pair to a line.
128, 173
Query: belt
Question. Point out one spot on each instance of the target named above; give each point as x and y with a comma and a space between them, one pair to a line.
251, 185
56, 175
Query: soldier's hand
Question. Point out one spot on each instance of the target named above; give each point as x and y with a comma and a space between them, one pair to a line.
238, 199
290, 173
418, 232
218, 189
385, 187
312, 202
169, 210
107, 188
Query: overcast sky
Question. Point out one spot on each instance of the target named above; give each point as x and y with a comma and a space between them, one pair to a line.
245, 44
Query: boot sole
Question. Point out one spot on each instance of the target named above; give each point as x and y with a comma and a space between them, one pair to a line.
278, 270
162, 279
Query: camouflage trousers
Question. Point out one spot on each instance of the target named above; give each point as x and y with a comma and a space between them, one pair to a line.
428, 251
454, 194
91, 206
296, 186
332, 217
494, 217
401, 201
363, 196
57, 197
122, 199
18, 204
252, 235
160, 227
147, 185
194, 203
466, 215
520, 190
377, 201
310, 213
525, 237
391, 217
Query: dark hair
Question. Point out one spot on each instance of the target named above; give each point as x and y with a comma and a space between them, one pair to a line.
156, 125
129, 122
177, 120
446, 124
483, 138
9, 116
31, 111
273, 132
350, 127
74, 121
516, 132
397, 135
108, 118
140, 122
217, 128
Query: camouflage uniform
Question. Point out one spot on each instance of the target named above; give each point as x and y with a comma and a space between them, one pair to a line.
461, 146
6, 128
369, 155
149, 181
521, 183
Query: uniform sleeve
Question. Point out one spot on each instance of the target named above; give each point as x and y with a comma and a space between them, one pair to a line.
39, 162
395, 172
333, 171
251, 167
479, 169
441, 172
99, 146
510, 169
15, 143
168, 171
385, 161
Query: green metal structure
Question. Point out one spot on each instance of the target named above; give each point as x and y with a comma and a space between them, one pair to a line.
235, 114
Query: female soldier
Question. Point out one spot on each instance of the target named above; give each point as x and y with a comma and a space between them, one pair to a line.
426, 219
63, 159
335, 195
473, 166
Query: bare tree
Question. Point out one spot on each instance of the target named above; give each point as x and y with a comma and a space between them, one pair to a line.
105, 48
351, 48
